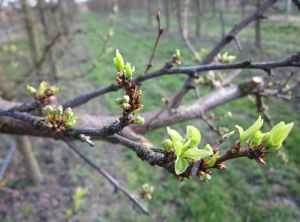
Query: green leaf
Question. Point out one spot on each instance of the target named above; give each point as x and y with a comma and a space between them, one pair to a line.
54, 89
128, 71
186, 145
277, 135
178, 146
194, 135
257, 138
119, 62
140, 120
196, 154
247, 134
31, 90
177, 140
180, 165
208, 149
166, 144
42, 88
211, 162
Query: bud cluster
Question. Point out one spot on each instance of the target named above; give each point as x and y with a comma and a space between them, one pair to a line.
146, 192
43, 93
261, 143
225, 58
176, 57
130, 103
59, 119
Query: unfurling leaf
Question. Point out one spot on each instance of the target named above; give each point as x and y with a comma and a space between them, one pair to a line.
246, 135
31, 90
139, 120
257, 138
194, 135
181, 165
128, 71
119, 62
175, 137
54, 89
196, 154
42, 88
277, 135
166, 144
211, 162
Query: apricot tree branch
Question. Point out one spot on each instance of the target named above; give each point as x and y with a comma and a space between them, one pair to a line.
192, 71
160, 31
107, 176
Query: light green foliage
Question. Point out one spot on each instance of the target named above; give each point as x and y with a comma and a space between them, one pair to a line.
186, 149
58, 118
247, 134
69, 214
271, 140
42, 90
167, 144
69, 118
31, 90
129, 71
119, 62
257, 138
211, 161
277, 135
177, 54
78, 197
225, 58
139, 120
147, 191
78, 200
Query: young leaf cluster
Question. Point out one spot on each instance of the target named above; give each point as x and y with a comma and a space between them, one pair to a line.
225, 58
130, 103
59, 119
186, 149
43, 92
271, 140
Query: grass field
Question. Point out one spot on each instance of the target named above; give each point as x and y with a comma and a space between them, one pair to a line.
244, 192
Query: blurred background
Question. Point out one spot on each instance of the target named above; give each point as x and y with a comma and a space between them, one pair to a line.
72, 43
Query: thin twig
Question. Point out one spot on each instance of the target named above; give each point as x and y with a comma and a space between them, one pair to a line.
7, 159
106, 175
160, 31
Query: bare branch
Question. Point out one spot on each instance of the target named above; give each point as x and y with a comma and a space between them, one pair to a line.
293, 61
107, 176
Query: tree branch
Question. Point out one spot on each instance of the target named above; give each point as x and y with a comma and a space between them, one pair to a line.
106, 175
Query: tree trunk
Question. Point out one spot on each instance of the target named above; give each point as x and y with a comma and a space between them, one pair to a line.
198, 17
149, 12
167, 13
6, 89
31, 164
44, 16
243, 5
179, 15
222, 21
288, 4
32, 35
213, 8
257, 29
